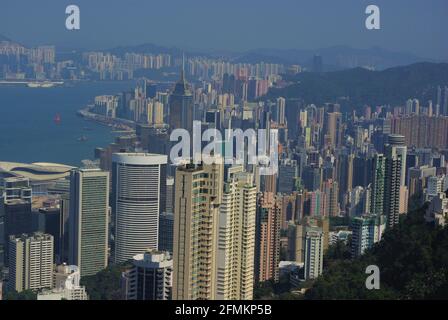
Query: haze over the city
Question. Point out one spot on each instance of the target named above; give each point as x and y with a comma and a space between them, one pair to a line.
417, 27
244, 151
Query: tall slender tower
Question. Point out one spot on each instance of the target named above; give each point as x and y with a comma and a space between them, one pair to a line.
314, 248
181, 108
267, 251
137, 182
281, 115
89, 220
445, 102
397, 141
377, 199
198, 195
236, 238
392, 186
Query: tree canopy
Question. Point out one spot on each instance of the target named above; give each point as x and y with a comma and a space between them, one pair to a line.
412, 259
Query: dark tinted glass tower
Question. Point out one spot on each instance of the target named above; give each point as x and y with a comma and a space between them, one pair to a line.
181, 105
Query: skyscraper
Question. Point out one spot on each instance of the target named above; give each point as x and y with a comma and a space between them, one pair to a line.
296, 249
15, 212
236, 239
398, 142
333, 129
331, 191
281, 111
137, 182
345, 176
166, 231
51, 220
198, 195
287, 176
377, 199
392, 186
312, 177
30, 262
439, 101
314, 248
181, 108
88, 220
267, 248
445, 102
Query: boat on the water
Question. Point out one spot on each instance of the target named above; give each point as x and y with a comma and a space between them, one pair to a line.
57, 119
45, 84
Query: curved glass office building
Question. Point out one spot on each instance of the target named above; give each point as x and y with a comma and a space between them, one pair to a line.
138, 179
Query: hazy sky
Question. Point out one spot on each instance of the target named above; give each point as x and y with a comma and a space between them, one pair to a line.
415, 26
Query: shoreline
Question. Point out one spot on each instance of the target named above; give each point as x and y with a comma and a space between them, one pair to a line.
116, 124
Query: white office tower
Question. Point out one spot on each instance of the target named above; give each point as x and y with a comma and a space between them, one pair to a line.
88, 220
30, 262
137, 182
236, 238
150, 277
65, 285
314, 250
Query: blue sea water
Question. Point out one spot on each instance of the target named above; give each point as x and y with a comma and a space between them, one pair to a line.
28, 132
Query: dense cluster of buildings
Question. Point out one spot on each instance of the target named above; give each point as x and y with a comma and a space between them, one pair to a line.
214, 230
19, 62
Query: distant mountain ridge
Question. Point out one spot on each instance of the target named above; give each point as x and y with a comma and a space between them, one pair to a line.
357, 87
334, 58
338, 57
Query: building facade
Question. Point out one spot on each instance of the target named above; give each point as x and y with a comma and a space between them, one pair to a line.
198, 195
31, 262
89, 220
150, 277
137, 182
236, 239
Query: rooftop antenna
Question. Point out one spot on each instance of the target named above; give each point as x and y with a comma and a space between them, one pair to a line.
182, 74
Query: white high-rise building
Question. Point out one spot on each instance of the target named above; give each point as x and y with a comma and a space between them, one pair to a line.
137, 180
30, 262
314, 251
395, 193
236, 238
